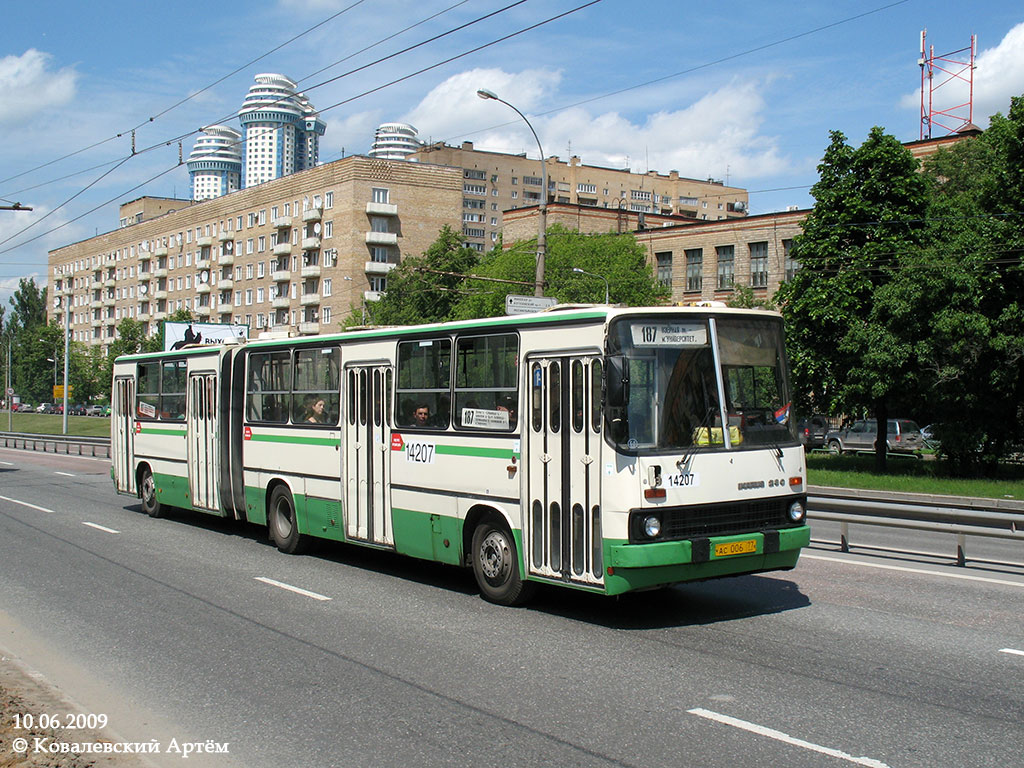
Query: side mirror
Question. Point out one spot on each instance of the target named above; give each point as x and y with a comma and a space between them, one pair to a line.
617, 384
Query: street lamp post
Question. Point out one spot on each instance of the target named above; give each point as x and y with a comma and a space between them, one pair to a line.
592, 274
538, 282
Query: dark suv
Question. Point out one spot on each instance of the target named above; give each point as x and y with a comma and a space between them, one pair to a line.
902, 436
812, 430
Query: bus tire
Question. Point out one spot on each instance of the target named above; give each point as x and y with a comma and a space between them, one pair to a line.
496, 564
284, 528
147, 492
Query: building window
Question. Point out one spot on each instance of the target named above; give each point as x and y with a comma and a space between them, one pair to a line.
759, 265
474, 174
327, 286
380, 195
664, 268
329, 200
640, 194
590, 189
726, 255
474, 189
378, 284
379, 254
791, 264
378, 224
695, 269
328, 229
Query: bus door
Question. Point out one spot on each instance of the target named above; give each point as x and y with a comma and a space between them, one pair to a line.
122, 418
562, 529
203, 461
367, 470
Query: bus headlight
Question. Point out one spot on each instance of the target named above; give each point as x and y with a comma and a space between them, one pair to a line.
652, 526
797, 512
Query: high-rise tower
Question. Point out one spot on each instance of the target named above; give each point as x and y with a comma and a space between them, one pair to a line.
282, 130
215, 163
395, 141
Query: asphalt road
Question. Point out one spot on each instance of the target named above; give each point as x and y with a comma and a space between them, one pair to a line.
180, 629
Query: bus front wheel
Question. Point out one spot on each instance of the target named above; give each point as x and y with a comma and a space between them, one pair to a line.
147, 491
496, 565
284, 529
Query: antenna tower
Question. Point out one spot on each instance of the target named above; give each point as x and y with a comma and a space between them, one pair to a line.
939, 71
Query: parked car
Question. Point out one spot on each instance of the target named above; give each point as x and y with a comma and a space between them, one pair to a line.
94, 410
44, 408
25, 408
76, 410
812, 430
902, 436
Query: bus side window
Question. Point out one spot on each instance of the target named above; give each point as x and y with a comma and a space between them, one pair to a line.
424, 380
268, 387
147, 404
173, 381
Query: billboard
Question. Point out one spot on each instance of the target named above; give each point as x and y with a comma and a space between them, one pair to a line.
178, 335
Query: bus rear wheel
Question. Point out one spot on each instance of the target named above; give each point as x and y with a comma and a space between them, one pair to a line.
147, 492
284, 529
496, 565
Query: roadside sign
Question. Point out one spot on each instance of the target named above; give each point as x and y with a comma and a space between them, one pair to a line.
58, 392
524, 305
10, 391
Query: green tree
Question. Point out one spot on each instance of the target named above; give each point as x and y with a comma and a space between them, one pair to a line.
852, 328
426, 288
618, 258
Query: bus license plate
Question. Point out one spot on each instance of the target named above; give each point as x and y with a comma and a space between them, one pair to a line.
744, 547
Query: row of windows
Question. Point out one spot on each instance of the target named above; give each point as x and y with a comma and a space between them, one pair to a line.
725, 266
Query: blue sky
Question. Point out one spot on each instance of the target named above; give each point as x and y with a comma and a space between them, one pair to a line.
744, 92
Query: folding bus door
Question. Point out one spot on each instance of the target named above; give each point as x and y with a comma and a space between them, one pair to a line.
562, 535
122, 434
203, 461
367, 470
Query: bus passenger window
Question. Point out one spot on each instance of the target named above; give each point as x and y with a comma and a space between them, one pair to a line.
424, 380
316, 392
268, 387
173, 381
147, 404
486, 382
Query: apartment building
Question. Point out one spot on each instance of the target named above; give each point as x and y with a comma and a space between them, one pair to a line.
698, 260
494, 182
299, 252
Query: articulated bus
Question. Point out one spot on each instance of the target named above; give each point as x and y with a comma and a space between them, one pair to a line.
601, 448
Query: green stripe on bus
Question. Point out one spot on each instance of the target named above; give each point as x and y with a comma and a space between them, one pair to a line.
470, 450
332, 441
174, 432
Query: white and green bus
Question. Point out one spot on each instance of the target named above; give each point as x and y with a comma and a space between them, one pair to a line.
601, 448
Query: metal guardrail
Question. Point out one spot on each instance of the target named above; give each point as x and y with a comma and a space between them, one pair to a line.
73, 445
962, 517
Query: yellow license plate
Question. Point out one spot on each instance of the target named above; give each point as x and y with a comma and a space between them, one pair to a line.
744, 547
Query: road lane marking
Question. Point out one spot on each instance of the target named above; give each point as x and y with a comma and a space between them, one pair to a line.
66, 474
783, 737
1014, 651
101, 527
963, 576
290, 588
7, 463
26, 504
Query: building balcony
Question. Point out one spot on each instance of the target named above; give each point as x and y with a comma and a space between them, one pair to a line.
226, 259
309, 328
204, 242
160, 250
146, 255
159, 295
381, 209
310, 243
109, 283
97, 322
312, 214
109, 301
311, 270
95, 304
225, 284
160, 272
281, 222
95, 285
203, 262
142, 317
379, 267
372, 295
280, 275
161, 315
280, 302
381, 238
203, 311
309, 299
283, 249
223, 237
203, 288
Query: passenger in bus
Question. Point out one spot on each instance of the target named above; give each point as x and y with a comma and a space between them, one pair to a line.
315, 410
421, 415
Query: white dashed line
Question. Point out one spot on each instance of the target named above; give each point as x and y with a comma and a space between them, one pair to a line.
26, 504
66, 474
964, 576
7, 463
101, 527
780, 736
290, 588
1014, 651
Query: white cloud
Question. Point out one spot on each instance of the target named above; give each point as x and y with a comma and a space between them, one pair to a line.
998, 75
28, 86
718, 134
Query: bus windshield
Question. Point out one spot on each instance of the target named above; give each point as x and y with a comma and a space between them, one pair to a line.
677, 399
